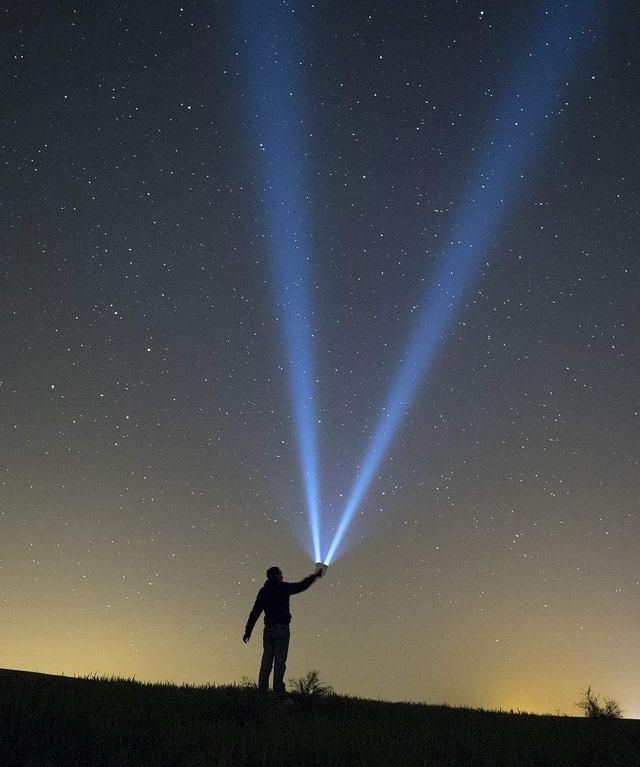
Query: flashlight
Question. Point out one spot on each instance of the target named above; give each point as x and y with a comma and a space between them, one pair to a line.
321, 569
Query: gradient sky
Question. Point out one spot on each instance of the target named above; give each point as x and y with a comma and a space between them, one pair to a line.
147, 440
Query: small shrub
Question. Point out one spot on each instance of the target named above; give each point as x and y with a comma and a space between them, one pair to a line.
590, 704
310, 685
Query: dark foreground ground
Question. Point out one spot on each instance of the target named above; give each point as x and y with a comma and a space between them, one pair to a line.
66, 722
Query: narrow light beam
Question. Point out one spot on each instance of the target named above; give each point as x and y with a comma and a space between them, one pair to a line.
529, 106
274, 54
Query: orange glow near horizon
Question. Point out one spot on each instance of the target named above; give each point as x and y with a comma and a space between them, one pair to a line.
497, 664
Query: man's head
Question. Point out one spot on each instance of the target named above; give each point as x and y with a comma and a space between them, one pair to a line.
274, 574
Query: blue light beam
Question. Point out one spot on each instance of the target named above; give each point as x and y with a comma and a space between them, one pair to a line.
274, 54
548, 62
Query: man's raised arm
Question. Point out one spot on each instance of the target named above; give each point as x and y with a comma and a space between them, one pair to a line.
303, 585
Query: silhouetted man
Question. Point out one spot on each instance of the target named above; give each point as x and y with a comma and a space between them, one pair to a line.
273, 598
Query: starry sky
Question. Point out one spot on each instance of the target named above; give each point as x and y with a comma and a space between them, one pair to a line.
149, 459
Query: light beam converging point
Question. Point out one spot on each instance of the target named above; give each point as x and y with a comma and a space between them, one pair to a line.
274, 54
549, 60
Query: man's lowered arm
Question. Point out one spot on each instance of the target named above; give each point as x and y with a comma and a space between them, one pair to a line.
257, 608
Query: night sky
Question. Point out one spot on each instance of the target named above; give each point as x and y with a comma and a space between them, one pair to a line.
149, 452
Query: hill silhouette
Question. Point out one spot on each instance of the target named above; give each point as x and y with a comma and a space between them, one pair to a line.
46, 721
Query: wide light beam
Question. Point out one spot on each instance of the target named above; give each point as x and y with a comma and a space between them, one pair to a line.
274, 51
534, 99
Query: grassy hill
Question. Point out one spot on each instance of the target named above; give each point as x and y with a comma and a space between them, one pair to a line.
48, 721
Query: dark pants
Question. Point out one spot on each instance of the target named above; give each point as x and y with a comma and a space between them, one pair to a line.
275, 643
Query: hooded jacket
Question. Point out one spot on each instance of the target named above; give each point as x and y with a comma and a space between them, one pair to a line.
273, 598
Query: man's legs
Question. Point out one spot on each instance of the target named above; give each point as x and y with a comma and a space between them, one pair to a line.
281, 648
268, 651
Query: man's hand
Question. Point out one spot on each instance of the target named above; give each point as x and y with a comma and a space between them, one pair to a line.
246, 637
321, 569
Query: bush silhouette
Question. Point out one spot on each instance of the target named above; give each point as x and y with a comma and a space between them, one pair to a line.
590, 704
310, 685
